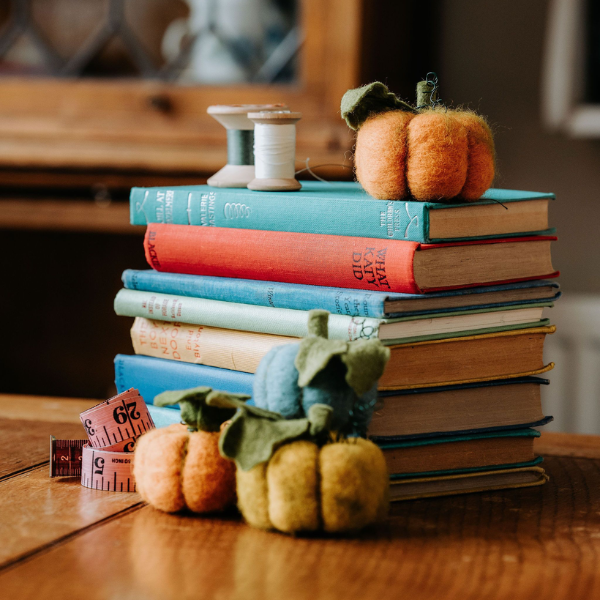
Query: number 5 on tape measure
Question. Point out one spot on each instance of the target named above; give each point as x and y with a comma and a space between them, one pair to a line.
105, 470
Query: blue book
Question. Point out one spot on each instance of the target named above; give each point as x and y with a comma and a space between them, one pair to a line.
355, 303
461, 409
152, 376
163, 417
343, 208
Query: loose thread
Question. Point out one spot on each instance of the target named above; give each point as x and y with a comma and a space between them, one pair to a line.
310, 169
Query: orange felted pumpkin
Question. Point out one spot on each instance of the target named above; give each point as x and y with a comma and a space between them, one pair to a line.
427, 152
180, 466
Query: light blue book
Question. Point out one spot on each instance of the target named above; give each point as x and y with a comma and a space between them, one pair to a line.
163, 417
338, 301
152, 376
341, 208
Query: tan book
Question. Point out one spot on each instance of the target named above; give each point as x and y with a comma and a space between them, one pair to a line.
434, 363
462, 359
223, 348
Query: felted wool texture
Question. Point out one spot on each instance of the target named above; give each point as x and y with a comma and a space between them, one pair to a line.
275, 386
157, 467
252, 496
481, 167
366, 361
381, 154
329, 387
208, 479
354, 485
437, 155
293, 489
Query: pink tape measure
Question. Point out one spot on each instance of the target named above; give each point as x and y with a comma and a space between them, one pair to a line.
104, 461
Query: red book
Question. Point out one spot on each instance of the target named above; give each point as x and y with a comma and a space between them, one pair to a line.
346, 262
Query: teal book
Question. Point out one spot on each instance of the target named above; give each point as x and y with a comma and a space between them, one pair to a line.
443, 455
344, 208
294, 323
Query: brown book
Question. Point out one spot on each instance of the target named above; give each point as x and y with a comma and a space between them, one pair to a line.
447, 485
505, 403
489, 356
477, 451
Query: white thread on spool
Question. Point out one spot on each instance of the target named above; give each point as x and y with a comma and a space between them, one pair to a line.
274, 151
239, 170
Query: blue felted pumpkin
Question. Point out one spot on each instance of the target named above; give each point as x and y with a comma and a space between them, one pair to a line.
343, 375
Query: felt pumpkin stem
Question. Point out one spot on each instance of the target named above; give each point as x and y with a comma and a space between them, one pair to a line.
427, 95
196, 412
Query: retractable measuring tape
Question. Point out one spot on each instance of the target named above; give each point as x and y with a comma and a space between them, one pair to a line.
104, 460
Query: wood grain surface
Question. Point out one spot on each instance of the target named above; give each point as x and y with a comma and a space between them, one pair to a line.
25, 444
534, 543
37, 511
542, 543
48, 410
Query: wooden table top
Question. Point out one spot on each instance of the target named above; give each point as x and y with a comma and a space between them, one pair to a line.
60, 540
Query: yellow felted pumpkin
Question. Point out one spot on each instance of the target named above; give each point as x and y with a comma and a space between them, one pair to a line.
294, 477
428, 153
180, 466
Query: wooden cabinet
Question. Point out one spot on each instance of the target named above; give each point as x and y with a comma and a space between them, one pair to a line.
65, 139
149, 126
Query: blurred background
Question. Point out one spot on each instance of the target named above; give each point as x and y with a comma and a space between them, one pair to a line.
97, 96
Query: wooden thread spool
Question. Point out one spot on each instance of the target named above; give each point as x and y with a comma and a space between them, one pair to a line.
275, 151
239, 170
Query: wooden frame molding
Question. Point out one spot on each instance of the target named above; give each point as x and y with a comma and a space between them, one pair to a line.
155, 127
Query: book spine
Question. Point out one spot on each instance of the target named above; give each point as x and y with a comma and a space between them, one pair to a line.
152, 376
329, 260
222, 348
163, 417
273, 294
244, 317
242, 209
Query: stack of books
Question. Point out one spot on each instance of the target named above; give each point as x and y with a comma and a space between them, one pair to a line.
456, 291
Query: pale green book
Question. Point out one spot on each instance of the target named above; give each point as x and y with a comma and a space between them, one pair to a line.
293, 323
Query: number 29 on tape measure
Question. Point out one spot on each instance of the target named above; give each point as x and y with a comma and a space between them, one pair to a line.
116, 424
104, 460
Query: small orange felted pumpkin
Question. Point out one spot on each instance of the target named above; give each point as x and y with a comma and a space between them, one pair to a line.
180, 466
429, 153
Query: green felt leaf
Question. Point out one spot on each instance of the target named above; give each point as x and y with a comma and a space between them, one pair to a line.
358, 104
196, 413
230, 401
365, 362
319, 417
251, 438
314, 355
